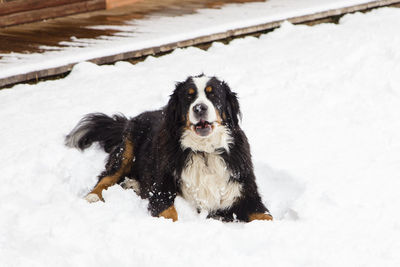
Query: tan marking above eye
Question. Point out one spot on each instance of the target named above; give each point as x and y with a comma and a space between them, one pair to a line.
191, 91
209, 89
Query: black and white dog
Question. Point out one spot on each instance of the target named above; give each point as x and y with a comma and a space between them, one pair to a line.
193, 147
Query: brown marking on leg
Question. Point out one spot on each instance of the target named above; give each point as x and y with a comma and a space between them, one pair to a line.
110, 180
260, 216
170, 213
104, 183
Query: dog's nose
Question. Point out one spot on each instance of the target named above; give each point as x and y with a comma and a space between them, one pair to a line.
200, 109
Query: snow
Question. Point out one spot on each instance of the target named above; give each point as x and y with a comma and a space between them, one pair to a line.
156, 31
320, 108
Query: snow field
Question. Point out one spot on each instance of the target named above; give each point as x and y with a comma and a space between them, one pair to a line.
321, 109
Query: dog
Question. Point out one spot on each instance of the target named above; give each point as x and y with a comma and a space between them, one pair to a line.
193, 147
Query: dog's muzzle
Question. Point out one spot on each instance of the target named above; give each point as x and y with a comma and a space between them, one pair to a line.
203, 128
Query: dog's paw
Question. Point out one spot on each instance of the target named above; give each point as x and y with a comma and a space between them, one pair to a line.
92, 197
131, 184
170, 213
260, 216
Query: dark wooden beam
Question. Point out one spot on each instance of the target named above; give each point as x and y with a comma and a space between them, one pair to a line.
27, 5
68, 8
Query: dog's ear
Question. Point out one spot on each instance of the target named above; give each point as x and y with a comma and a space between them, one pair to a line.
173, 110
232, 106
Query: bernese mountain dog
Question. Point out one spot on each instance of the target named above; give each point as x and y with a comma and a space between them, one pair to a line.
193, 147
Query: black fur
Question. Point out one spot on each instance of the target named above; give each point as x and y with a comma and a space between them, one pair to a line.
98, 127
158, 155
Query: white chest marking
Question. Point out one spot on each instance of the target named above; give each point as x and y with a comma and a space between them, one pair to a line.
205, 182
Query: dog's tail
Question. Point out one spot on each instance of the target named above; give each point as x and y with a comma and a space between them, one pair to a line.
97, 127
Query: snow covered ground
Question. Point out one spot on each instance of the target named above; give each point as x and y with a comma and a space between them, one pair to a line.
157, 31
321, 108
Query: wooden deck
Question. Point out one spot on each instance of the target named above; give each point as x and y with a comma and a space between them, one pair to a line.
33, 37
29, 38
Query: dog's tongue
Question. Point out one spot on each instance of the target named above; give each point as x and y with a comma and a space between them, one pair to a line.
203, 128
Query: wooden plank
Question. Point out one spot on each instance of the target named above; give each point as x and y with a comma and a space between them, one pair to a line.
27, 5
22, 45
198, 40
51, 12
35, 75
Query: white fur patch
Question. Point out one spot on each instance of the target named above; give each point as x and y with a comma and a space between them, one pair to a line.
92, 198
201, 83
219, 138
131, 184
76, 134
205, 182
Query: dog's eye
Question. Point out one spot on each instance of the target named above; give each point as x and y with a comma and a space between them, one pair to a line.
191, 91
210, 92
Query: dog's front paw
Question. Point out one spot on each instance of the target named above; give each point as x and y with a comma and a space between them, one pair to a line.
92, 197
260, 216
170, 213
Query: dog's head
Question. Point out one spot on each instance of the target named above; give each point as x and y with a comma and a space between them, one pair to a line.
206, 110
